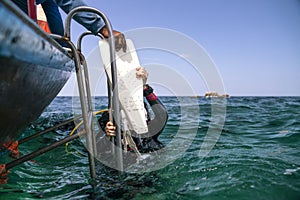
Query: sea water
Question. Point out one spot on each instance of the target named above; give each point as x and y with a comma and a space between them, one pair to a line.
255, 155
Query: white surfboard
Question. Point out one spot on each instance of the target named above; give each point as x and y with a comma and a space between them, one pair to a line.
130, 88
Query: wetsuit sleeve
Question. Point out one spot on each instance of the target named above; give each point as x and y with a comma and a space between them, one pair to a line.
90, 21
157, 124
103, 120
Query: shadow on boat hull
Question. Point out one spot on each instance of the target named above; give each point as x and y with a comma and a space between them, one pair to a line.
33, 69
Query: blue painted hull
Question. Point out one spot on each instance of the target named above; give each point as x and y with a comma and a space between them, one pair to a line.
33, 69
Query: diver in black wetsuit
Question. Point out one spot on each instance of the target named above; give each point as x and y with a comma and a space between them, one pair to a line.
146, 142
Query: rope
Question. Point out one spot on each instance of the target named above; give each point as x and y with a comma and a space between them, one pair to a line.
3, 174
76, 127
72, 132
129, 141
127, 138
13, 147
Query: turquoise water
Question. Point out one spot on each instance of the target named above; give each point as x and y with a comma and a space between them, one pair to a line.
257, 156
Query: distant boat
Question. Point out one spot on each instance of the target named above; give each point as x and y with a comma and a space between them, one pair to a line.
215, 94
33, 69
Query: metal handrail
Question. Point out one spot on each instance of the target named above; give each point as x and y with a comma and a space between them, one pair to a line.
79, 42
115, 111
85, 110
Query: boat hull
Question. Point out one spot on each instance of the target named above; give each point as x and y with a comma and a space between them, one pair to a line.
33, 69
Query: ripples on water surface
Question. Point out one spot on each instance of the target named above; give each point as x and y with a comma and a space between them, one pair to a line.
256, 157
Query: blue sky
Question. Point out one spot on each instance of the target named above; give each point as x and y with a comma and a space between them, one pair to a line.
255, 44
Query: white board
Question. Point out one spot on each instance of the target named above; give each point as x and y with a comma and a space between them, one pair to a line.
130, 88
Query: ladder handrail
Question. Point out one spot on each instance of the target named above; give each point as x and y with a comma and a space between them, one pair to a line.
115, 111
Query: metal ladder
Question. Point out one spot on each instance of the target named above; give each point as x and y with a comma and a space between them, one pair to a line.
85, 99
84, 88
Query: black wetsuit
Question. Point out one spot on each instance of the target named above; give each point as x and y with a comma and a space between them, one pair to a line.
146, 142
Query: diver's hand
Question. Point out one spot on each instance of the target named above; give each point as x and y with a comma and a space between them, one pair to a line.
120, 41
110, 129
141, 73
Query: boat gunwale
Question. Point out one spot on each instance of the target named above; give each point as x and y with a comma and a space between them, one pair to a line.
34, 26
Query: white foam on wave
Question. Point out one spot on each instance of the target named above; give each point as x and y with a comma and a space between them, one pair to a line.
291, 171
